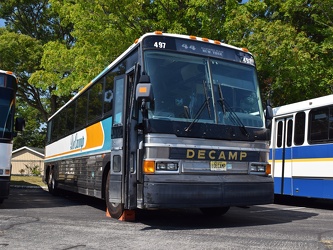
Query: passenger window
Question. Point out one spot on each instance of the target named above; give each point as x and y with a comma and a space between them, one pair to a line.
108, 93
81, 111
70, 117
95, 102
279, 134
289, 132
331, 124
299, 128
318, 131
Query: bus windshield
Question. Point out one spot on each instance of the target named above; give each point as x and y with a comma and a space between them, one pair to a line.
6, 113
190, 87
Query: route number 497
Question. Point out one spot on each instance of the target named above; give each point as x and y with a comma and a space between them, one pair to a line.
160, 45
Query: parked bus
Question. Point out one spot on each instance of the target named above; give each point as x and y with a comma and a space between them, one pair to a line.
302, 148
174, 122
8, 88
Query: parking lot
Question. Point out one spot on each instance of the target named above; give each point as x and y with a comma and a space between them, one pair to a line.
33, 219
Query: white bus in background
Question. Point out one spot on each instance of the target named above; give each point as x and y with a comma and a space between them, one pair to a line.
301, 151
8, 88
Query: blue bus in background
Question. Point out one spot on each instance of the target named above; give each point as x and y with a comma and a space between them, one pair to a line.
301, 151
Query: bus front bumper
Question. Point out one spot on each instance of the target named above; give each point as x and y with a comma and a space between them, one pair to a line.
196, 191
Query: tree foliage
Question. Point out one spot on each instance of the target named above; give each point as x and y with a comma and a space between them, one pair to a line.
291, 42
57, 46
103, 29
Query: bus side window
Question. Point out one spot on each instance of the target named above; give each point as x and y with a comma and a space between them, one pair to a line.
318, 132
2, 81
95, 102
279, 134
108, 93
299, 128
289, 132
70, 117
81, 111
331, 124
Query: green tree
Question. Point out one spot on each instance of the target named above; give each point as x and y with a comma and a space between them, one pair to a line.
104, 29
36, 21
290, 42
35, 129
29, 25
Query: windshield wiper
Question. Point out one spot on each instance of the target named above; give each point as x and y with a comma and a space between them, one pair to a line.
233, 116
221, 100
205, 103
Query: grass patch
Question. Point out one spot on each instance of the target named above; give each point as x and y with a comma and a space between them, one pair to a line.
23, 180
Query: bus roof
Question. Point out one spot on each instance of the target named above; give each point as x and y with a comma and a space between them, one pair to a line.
136, 43
303, 105
7, 72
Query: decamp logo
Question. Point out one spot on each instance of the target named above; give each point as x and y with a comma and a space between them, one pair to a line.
76, 142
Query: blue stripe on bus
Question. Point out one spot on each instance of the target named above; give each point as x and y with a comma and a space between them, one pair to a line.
305, 187
305, 152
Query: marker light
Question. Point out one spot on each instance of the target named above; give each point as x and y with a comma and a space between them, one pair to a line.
268, 169
148, 167
157, 32
143, 89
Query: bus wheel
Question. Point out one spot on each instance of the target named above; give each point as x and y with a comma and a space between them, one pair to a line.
214, 211
115, 209
51, 183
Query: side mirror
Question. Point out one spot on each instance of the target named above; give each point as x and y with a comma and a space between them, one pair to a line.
19, 124
268, 115
144, 94
144, 90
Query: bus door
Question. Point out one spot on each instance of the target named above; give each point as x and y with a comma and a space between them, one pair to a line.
122, 188
282, 155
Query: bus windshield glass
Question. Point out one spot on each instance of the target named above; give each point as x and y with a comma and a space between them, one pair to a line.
207, 90
6, 113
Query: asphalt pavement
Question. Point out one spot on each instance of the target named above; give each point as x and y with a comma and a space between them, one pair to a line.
34, 219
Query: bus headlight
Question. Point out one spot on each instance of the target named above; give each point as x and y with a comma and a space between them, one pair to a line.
151, 167
260, 168
166, 166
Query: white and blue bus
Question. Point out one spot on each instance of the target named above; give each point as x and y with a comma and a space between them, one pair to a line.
176, 121
302, 148
8, 88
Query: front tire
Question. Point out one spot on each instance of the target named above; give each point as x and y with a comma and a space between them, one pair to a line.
115, 209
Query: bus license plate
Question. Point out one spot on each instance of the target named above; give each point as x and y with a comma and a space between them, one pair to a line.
218, 166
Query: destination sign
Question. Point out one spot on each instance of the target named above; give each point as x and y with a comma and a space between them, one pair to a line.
197, 47
214, 155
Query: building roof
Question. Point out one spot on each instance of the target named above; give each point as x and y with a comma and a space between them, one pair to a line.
38, 151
